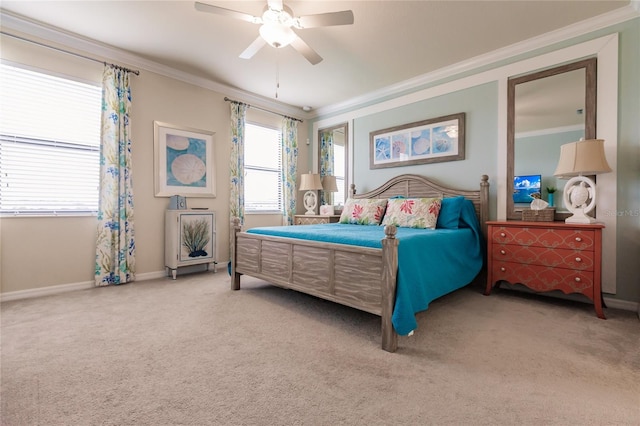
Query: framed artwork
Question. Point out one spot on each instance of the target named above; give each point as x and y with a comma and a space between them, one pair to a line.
184, 161
428, 141
196, 237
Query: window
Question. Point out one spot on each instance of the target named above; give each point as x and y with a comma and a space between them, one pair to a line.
49, 143
339, 168
263, 169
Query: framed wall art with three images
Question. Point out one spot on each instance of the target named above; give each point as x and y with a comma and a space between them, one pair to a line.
184, 161
428, 141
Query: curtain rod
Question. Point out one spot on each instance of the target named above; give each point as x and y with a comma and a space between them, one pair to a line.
261, 109
136, 72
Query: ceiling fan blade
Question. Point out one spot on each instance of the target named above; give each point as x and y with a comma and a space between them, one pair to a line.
275, 4
326, 19
253, 48
204, 7
306, 51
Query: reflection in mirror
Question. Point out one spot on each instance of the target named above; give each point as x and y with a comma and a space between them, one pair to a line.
332, 155
546, 109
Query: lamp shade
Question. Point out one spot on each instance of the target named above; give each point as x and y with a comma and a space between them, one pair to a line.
582, 158
310, 182
329, 184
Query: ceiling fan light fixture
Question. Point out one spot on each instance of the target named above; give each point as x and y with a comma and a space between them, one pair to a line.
277, 35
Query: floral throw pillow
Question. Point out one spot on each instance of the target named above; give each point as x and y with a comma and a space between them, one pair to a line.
413, 212
363, 212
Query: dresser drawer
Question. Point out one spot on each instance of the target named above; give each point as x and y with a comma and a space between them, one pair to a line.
544, 278
576, 239
568, 259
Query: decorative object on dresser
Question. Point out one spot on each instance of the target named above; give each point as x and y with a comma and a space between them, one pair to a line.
547, 256
189, 239
551, 190
541, 215
328, 185
539, 212
577, 161
310, 182
315, 219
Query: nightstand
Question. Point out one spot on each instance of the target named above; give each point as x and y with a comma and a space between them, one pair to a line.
314, 219
546, 256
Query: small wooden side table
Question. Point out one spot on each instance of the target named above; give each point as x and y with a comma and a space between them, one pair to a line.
314, 219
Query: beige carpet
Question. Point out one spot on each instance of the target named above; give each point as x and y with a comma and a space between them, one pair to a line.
192, 352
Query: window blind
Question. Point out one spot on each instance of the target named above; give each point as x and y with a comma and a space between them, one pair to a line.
263, 168
49, 143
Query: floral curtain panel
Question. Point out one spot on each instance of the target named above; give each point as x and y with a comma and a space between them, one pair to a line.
236, 167
326, 163
115, 246
289, 167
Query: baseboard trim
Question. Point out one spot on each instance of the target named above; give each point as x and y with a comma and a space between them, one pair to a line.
624, 305
45, 291
63, 288
85, 285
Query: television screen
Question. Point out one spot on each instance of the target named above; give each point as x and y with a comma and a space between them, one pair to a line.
524, 187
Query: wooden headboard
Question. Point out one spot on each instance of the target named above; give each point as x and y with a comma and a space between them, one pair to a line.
416, 186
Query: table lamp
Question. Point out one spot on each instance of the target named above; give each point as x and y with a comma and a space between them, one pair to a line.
310, 182
577, 159
329, 185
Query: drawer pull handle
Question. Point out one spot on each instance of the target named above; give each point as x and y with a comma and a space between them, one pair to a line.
502, 234
577, 279
503, 269
503, 252
578, 239
578, 259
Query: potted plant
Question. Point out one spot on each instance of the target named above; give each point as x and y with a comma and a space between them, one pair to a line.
551, 190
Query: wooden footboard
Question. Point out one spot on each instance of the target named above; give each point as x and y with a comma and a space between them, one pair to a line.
361, 277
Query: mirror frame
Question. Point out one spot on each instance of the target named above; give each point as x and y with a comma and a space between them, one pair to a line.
590, 66
345, 126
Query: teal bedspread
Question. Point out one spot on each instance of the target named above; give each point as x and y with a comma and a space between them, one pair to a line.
431, 263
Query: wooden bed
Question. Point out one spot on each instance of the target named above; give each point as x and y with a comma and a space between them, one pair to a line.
361, 277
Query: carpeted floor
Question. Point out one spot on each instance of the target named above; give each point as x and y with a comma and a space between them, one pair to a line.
192, 352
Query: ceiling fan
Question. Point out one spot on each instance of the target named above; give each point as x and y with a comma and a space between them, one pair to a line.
277, 23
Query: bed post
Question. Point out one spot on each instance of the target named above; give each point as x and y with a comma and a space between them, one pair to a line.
389, 275
484, 203
235, 277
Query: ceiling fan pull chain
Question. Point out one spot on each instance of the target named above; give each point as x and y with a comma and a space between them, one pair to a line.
277, 74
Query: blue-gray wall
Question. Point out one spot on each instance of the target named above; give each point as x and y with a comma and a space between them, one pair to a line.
480, 103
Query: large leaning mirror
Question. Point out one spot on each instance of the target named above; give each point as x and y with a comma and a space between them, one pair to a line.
545, 110
333, 161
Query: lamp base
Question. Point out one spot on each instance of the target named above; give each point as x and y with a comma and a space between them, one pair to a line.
310, 201
580, 198
580, 218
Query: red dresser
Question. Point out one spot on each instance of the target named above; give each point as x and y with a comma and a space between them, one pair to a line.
547, 256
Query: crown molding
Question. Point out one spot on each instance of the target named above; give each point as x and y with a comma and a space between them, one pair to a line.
94, 48
566, 33
100, 51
